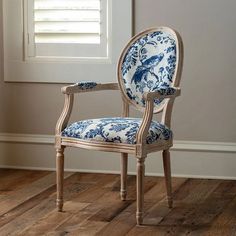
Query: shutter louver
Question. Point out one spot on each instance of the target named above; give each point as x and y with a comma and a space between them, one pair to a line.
67, 21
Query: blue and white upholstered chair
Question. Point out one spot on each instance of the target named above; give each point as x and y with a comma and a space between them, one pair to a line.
149, 72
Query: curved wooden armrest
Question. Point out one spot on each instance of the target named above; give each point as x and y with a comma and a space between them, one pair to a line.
142, 133
170, 92
69, 92
82, 87
65, 115
145, 126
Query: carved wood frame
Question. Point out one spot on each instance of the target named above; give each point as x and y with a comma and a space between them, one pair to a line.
141, 148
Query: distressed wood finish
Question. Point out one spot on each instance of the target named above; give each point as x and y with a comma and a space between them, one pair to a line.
140, 189
92, 206
60, 177
167, 172
123, 179
140, 149
124, 160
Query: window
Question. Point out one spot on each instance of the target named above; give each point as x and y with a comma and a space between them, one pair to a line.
64, 41
66, 28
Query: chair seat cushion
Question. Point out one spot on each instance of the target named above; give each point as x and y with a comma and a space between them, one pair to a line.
116, 130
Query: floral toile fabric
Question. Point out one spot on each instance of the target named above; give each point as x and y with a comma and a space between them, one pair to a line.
116, 129
149, 65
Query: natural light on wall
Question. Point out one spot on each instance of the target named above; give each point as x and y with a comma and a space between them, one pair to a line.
64, 41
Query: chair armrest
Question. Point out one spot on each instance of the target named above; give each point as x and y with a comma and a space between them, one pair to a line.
88, 86
144, 127
69, 92
170, 92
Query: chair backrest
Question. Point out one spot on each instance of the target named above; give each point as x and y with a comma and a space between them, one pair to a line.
151, 60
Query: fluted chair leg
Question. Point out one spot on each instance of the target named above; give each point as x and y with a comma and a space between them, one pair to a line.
140, 189
60, 177
167, 171
123, 179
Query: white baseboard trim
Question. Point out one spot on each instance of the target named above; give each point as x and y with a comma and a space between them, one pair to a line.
179, 145
26, 138
116, 172
202, 146
191, 159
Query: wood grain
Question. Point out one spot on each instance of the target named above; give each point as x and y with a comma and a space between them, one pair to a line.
11, 182
93, 206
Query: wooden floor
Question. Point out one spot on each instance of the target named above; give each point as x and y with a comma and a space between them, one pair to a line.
92, 206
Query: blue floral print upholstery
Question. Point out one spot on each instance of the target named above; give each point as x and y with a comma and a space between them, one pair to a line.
86, 84
149, 65
116, 130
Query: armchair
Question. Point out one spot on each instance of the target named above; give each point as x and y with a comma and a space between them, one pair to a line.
149, 72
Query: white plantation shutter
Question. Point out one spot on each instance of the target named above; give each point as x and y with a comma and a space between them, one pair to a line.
67, 21
67, 28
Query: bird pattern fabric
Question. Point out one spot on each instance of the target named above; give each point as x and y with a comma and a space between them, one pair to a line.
149, 65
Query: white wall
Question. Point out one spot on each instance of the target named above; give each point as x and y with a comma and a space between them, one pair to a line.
205, 112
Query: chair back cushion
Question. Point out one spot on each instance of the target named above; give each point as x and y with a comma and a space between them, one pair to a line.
147, 64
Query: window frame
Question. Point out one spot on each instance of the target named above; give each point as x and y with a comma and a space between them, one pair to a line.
62, 70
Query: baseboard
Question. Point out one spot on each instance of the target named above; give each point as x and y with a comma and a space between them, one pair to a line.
26, 138
190, 159
179, 145
182, 145
116, 172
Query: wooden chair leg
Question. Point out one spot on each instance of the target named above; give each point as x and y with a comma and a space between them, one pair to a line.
140, 189
60, 177
123, 179
167, 171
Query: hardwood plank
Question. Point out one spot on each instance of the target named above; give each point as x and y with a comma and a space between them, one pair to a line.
98, 190
160, 207
31, 220
150, 231
17, 179
196, 213
28, 192
195, 190
6, 172
160, 189
97, 213
225, 223
165, 221
39, 210
74, 223
208, 209
93, 206
187, 199
171, 230
29, 217
157, 210
89, 228
110, 211
71, 187
126, 220
50, 221
25, 206
102, 209
220, 231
